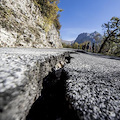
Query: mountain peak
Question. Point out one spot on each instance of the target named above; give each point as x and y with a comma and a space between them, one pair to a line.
95, 32
83, 37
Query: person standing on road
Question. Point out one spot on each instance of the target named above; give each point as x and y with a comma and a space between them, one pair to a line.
88, 46
93, 47
85, 47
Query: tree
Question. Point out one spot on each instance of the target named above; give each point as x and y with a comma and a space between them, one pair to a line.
57, 23
97, 37
49, 10
75, 45
66, 45
111, 33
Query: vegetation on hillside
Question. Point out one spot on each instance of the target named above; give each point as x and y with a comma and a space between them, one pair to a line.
74, 45
66, 45
49, 10
111, 41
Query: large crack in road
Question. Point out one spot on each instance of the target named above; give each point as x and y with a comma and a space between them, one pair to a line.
88, 88
52, 104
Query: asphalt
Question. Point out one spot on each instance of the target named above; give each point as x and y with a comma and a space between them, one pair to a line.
93, 87
92, 90
14, 61
22, 71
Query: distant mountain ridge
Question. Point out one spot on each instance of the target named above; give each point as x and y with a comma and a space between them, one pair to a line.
83, 37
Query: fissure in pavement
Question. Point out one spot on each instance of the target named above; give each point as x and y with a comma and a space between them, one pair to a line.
52, 104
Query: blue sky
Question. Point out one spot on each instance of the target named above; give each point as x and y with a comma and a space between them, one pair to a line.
86, 16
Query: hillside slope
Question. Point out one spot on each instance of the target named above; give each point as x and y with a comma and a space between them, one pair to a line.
22, 25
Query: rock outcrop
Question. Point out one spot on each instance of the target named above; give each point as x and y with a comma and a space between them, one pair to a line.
22, 25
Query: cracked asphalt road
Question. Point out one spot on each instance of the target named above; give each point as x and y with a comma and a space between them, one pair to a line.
93, 88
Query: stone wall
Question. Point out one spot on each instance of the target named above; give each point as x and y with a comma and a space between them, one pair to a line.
22, 25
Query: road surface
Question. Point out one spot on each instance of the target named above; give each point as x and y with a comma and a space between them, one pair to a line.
93, 88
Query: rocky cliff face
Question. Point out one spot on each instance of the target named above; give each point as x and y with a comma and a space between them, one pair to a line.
22, 25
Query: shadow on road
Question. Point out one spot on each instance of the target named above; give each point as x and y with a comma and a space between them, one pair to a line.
52, 104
